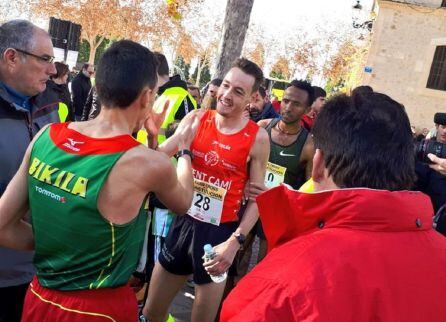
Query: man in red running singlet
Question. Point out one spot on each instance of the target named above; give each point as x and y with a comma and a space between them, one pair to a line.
228, 150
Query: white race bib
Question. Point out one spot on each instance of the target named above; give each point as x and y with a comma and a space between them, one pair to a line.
207, 204
275, 175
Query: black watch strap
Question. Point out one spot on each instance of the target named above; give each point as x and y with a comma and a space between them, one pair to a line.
184, 152
240, 238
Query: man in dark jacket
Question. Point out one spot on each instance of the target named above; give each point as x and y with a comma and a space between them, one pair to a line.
260, 108
174, 90
430, 181
80, 87
26, 55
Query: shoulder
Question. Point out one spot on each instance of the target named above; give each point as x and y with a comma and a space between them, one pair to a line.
264, 123
262, 136
309, 143
146, 167
260, 147
146, 159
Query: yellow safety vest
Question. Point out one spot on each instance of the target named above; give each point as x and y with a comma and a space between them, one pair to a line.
307, 186
63, 112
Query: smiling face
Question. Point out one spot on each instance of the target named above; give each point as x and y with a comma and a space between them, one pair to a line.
235, 92
29, 74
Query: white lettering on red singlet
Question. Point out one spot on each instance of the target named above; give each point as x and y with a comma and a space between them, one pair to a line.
225, 184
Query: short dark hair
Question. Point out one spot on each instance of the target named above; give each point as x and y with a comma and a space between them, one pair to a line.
305, 86
123, 72
61, 70
85, 66
216, 82
250, 68
319, 92
366, 142
362, 90
163, 66
193, 87
262, 91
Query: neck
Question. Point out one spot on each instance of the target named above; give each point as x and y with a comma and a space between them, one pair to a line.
230, 124
114, 121
289, 128
163, 79
12, 85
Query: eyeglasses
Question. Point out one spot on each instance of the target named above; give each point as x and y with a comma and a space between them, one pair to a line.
48, 59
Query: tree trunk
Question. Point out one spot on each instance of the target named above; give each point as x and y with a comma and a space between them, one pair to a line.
199, 69
93, 47
233, 35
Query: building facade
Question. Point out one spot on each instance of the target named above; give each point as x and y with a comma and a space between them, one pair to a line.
407, 57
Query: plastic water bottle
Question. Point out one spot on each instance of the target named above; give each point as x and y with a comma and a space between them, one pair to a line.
209, 254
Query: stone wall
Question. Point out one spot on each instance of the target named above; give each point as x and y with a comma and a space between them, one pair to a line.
403, 44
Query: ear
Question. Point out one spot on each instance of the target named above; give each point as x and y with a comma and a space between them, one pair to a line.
318, 173
146, 97
11, 57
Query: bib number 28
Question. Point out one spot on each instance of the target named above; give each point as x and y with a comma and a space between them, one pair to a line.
202, 202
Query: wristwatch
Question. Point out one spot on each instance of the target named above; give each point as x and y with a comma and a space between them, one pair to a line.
240, 238
184, 152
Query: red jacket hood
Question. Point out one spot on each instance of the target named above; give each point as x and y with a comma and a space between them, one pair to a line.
287, 213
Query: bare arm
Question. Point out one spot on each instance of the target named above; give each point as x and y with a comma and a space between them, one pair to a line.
226, 251
175, 187
175, 142
257, 170
14, 231
307, 156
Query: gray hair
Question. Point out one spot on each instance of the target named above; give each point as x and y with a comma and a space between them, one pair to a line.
16, 34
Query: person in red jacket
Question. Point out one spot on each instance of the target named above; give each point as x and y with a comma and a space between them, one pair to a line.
362, 247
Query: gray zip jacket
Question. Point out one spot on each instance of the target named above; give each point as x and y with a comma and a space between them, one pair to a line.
17, 128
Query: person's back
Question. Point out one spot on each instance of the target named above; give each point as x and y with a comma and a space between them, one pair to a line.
362, 261
362, 247
87, 187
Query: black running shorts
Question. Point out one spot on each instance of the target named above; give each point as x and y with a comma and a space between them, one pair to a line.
182, 251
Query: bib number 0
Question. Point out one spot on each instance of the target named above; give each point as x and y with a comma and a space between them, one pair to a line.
275, 175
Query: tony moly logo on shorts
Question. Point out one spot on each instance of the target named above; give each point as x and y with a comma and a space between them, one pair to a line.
50, 194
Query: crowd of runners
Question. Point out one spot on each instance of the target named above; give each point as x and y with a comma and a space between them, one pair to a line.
333, 191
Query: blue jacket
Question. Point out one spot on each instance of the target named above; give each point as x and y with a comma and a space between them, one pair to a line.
267, 113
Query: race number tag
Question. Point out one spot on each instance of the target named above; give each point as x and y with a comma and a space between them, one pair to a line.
275, 175
207, 204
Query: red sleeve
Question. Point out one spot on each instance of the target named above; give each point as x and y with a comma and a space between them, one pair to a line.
254, 300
